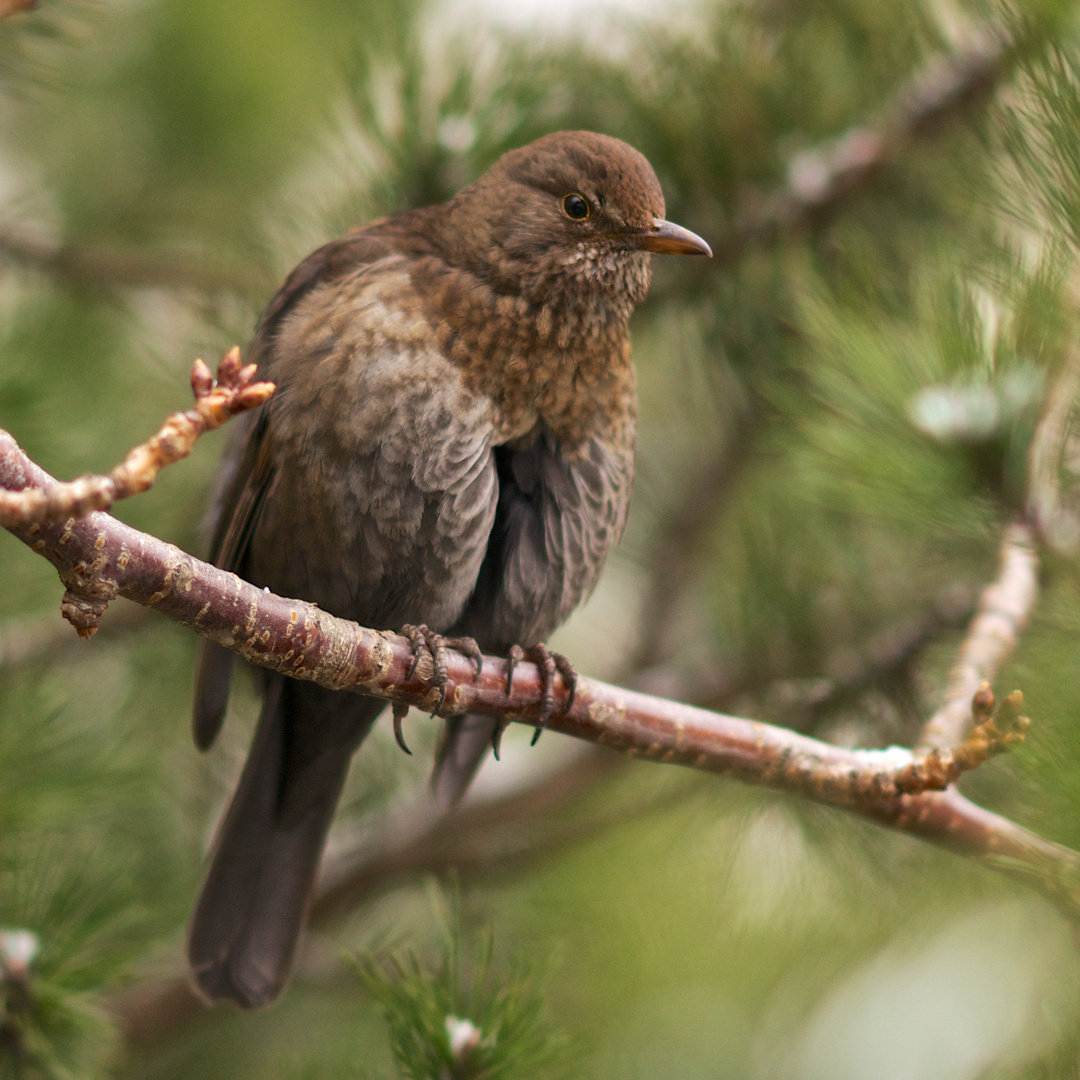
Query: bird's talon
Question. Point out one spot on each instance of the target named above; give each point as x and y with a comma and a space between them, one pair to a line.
400, 710
496, 738
547, 663
416, 639
514, 657
442, 700
569, 677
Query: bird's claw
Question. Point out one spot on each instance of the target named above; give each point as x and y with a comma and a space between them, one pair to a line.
514, 657
467, 646
424, 640
548, 663
400, 710
496, 737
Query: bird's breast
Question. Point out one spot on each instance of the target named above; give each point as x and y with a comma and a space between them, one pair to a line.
566, 366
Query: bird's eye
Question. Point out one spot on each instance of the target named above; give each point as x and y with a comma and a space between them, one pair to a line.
576, 207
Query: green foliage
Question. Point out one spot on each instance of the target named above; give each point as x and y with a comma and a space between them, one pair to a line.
464, 1018
50, 1032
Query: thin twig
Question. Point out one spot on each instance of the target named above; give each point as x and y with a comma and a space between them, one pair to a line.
1007, 602
216, 400
29, 506
1003, 610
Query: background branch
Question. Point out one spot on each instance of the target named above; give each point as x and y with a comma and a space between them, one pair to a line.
539, 815
1003, 610
1058, 529
99, 267
822, 179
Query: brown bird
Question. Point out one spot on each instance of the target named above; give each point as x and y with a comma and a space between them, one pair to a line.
451, 447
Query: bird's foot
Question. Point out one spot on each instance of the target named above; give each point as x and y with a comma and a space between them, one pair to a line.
426, 642
548, 663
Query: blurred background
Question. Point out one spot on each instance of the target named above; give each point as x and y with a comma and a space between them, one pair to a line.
835, 418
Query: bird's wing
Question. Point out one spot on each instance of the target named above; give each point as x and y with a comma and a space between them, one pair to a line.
247, 470
557, 517
248, 474
385, 486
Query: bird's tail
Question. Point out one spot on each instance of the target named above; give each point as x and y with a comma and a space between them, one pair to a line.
251, 909
213, 674
466, 741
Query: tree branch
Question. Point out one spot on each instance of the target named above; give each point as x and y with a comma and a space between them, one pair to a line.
105, 558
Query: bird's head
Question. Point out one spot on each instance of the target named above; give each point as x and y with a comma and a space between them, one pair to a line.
567, 220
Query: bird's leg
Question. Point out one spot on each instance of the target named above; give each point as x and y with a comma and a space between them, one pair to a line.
548, 663
425, 640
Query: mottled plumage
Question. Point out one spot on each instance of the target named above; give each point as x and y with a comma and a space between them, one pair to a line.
451, 444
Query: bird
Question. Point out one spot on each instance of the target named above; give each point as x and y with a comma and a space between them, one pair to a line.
450, 450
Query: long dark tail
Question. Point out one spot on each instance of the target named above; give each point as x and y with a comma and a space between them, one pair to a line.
465, 743
249, 915
213, 674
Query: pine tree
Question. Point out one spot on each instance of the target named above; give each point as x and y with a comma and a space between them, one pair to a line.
843, 416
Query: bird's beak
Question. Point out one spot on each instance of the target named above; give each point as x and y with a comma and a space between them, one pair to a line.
667, 238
